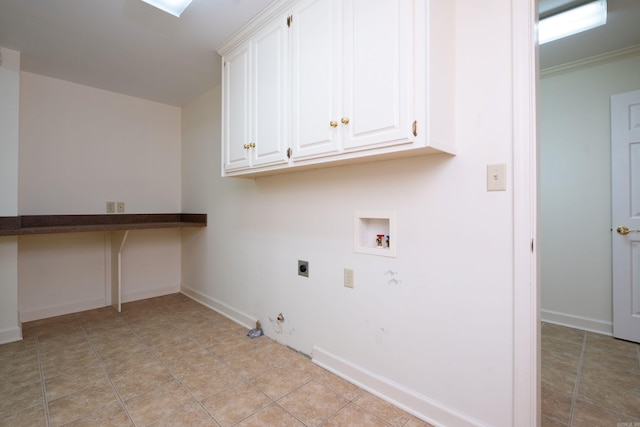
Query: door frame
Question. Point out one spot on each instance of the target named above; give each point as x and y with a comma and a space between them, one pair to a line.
526, 291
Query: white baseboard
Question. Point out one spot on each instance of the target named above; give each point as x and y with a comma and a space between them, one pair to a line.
46, 312
10, 335
409, 400
149, 293
578, 322
59, 310
227, 311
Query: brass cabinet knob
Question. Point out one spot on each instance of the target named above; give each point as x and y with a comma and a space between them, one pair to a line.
252, 145
333, 124
246, 146
345, 120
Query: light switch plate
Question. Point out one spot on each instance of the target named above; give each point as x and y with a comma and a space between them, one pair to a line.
120, 207
497, 177
111, 207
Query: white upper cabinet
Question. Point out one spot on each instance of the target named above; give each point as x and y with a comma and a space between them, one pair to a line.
352, 75
268, 102
254, 100
378, 76
314, 83
235, 109
316, 77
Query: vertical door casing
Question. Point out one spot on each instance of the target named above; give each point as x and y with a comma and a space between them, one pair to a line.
235, 109
315, 77
378, 73
268, 95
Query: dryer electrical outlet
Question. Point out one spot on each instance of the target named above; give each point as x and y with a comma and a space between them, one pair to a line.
303, 268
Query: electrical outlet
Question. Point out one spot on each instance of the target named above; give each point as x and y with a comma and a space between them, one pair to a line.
303, 268
111, 207
120, 207
348, 278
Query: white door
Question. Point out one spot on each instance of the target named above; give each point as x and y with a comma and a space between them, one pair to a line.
625, 179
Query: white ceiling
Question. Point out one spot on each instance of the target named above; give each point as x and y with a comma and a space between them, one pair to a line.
124, 46
129, 47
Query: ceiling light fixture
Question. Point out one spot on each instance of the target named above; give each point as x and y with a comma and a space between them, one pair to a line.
562, 23
174, 7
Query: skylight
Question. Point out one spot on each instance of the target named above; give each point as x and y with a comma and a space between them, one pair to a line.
572, 21
174, 7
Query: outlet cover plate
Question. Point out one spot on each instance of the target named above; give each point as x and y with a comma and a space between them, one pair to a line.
348, 278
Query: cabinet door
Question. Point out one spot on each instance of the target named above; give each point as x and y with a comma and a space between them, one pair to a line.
316, 64
235, 112
378, 72
269, 106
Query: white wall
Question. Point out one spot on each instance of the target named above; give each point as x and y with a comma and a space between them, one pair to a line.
575, 192
439, 341
9, 124
81, 147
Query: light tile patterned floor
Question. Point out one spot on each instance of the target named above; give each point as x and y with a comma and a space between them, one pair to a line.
169, 361
589, 379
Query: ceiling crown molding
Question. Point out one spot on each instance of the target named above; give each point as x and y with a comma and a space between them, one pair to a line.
569, 67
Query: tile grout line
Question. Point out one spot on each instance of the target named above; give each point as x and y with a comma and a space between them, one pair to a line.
380, 418
252, 384
276, 402
45, 402
575, 388
173, 374
228, 365
104, 370
176, 377
312, 379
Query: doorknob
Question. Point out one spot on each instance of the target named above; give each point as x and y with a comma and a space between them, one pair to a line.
622, 230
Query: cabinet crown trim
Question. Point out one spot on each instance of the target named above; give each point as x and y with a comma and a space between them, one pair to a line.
276, 9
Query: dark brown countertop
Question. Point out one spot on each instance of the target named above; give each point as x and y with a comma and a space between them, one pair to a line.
46, 224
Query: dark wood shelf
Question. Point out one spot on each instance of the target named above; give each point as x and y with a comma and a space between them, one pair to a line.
47, 224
